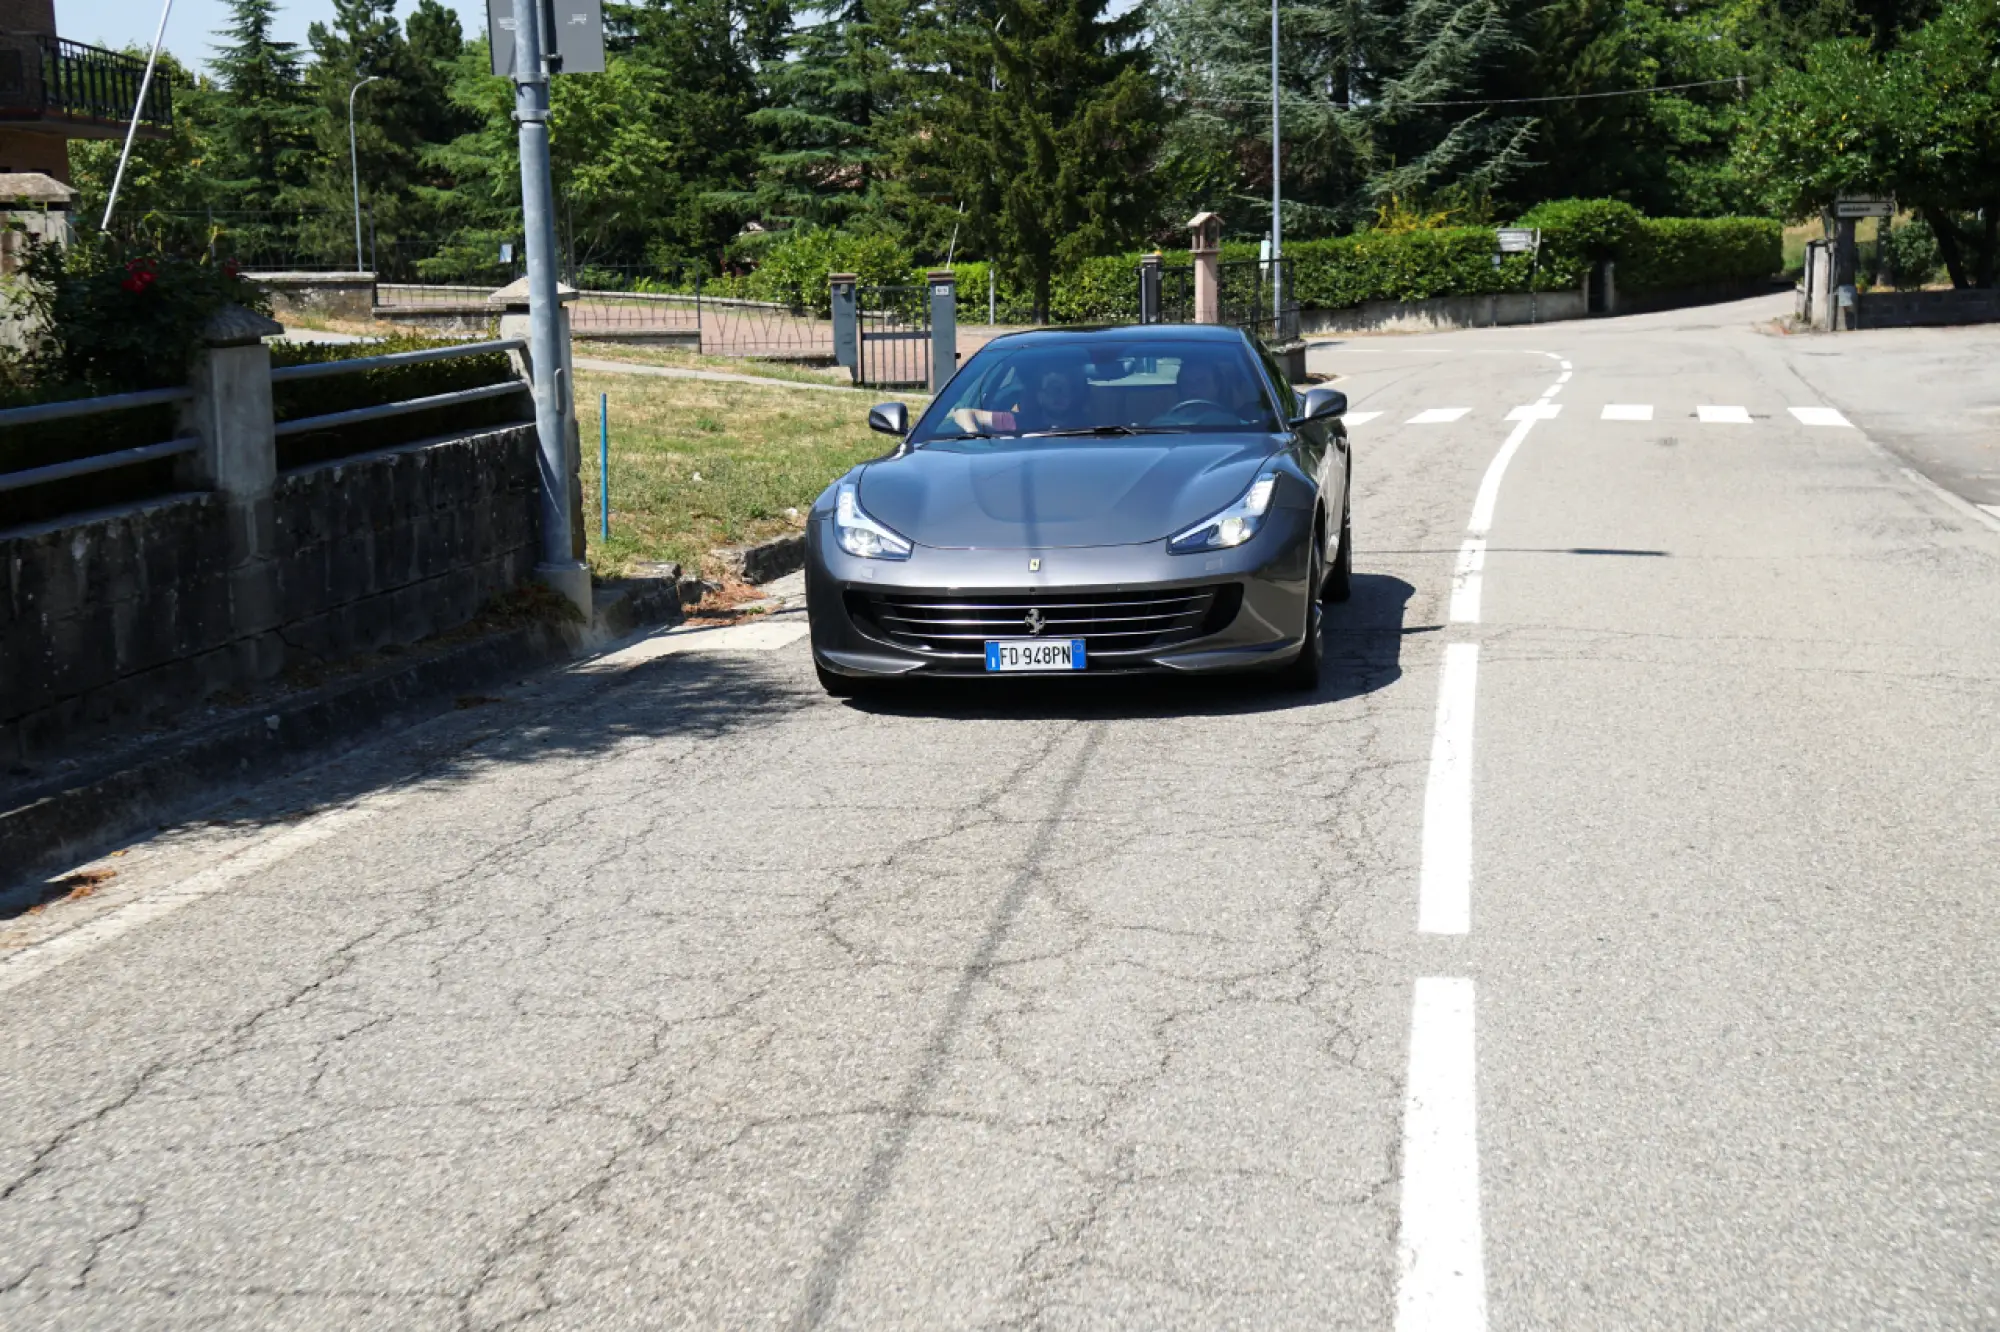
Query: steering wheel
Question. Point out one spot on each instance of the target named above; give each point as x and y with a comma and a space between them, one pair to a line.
1198, 407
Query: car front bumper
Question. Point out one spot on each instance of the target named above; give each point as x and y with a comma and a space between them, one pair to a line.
1251, 601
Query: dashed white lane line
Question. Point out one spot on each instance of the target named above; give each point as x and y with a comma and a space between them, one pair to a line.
1441, 1267
1536, 411
1820, 416
1565, 364
1489, 485
1723, 415
1465, 581
1444, 884
1437, 415
1627, 411
1360, 418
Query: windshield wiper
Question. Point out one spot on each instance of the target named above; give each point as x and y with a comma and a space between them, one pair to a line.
1092, 430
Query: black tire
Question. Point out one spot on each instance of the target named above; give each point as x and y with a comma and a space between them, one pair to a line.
839, 686
1303, 673
1340, 579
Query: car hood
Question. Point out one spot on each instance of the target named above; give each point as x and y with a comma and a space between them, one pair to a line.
1041, 493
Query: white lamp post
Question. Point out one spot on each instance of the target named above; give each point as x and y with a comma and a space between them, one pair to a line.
354, 162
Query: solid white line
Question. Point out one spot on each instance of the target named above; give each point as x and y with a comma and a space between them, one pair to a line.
40, 958
1437, 415
1465, 581
1628, 411
1360, 418
1489, 486
1441, 1264
1723, 415
1536, 411
1444, 883
1820, 416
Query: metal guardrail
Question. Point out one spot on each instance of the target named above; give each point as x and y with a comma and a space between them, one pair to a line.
359, 364
359, 414
44, 412
69, 407
51, 77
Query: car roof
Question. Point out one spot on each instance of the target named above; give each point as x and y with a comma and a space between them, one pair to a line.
1132, 332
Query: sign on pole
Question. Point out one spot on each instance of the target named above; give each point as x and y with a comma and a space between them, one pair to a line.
1518, 240
578, 29
1857, 206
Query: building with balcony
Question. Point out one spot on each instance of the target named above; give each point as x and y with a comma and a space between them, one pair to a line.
52, 91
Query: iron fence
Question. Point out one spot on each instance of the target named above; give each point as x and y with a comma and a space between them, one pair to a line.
53, 78
895, 336
1252, 294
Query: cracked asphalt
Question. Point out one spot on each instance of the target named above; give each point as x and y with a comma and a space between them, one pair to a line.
665, 991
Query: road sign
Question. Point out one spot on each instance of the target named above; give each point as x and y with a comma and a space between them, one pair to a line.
1518, 240
1858, 207
579, 34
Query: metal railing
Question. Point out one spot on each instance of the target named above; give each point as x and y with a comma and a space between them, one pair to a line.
42, 413
47, 77
895, 342
361, 364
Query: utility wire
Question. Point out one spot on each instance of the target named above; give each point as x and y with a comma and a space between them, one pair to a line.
1392, 105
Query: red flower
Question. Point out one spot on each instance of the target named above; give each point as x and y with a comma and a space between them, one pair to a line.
139, 275
229, 269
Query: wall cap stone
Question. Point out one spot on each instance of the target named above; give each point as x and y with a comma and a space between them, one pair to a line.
234, 326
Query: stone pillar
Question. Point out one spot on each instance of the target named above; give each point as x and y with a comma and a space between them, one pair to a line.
846, 323
513, 302
238, 459
1149, 289
944, 327
1205, 230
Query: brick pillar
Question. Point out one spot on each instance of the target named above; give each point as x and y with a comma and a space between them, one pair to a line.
1205, 235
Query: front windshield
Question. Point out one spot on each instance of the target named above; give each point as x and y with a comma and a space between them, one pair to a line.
1109, 387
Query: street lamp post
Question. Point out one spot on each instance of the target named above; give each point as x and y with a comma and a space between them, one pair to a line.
354, 163
1277, 220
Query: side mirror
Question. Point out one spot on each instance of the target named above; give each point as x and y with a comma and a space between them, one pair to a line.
893, 418
1321, 404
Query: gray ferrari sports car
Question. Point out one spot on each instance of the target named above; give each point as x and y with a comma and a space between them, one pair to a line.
1089, 501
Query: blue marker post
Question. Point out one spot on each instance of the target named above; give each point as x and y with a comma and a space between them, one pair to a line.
604, 465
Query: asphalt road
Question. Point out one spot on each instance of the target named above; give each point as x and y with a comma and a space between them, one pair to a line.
1610, 943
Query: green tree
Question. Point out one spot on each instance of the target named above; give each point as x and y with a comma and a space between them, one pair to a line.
263, 123
1035, 126
170, 175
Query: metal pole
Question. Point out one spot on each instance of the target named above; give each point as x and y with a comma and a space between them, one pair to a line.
354, 164
1277, 219
131, 129
604, 465
559, 567
990, 304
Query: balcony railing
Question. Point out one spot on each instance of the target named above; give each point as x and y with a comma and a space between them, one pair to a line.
50, 79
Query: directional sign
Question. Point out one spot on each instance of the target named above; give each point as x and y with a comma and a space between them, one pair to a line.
1857, 207
1518, 240
579, 34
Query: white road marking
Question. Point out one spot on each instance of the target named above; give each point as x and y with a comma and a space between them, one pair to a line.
1360, 418
1437, 415
1465, 581
1723, 415
1441, 1268
1444, 886
1563, 378
1489, 486
1536, 411
36, 959
1821, 416
1993, 509
1566, 365
1628, 411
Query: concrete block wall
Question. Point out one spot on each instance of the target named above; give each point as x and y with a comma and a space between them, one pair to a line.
1915, 309
110, 618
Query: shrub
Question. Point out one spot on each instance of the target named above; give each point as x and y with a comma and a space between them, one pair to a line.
1675, 253
112, 318
1913, 254
1586, 229
795, 270
370, 388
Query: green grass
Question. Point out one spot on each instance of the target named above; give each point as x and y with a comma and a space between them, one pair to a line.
732, 365
758, 451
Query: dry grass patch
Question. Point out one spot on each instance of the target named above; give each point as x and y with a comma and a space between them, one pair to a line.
696, 465
681, 359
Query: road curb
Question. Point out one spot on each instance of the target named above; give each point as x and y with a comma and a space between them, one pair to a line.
77, 816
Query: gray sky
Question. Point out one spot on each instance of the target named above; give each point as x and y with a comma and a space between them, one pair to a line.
190, 30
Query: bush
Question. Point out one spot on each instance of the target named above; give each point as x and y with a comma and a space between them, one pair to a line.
111, 318
1913, 254
1586, 229
795, 270
1678, 253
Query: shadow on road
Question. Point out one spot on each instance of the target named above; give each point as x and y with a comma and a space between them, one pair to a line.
1364, 643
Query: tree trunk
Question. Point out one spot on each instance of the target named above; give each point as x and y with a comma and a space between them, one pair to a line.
1989, 243
1043, 276
1946, 232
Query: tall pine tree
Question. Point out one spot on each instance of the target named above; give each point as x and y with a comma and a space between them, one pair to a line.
264, 129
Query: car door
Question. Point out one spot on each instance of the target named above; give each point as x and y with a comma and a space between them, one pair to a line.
1322, 445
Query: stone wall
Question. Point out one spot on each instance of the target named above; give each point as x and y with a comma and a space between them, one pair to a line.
1447, 312
1913, 309
110, 618
348, 296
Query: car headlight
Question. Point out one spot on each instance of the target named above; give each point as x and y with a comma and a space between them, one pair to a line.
863, 536
1234, 525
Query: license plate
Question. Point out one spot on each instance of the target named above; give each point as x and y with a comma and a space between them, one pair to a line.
1034, 654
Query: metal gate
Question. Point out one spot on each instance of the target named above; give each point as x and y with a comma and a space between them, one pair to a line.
895, 326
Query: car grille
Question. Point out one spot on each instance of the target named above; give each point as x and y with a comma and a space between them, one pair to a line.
959, 623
